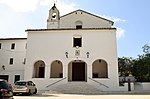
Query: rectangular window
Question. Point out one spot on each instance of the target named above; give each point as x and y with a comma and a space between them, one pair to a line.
78, 26
0, 45
5, 77
11, 61
13, 46
17, 77
77, 42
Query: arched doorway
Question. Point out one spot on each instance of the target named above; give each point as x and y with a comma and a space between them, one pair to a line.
100, 69
56, 70
77, 71
39, 69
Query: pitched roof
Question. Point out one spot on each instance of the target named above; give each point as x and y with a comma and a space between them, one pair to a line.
88, 13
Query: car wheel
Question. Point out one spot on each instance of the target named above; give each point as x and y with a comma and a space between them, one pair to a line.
35, 91
29, 93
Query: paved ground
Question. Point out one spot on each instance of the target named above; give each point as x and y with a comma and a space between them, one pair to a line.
74, 96
85, 97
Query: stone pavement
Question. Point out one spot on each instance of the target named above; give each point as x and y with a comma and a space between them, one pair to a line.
100, 93
77, 96
103, 95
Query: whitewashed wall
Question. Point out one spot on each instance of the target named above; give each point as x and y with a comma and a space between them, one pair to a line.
52, 45
18, 54
88, 20
146, 86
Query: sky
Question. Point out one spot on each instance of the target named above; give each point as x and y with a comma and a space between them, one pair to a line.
130, 17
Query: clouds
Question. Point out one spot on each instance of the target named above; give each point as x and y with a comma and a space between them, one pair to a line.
63, 6
114, 19
26, 6
32, 5
21, 5
120, 32
16, 15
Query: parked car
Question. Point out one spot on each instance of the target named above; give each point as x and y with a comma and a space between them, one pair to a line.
24, 87
5, 90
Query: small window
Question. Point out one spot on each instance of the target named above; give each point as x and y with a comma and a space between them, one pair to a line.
0, 46
17, 78
13, 46
77, 42
11, 61
78, 26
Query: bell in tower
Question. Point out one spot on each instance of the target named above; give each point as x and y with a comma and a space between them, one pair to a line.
53, 19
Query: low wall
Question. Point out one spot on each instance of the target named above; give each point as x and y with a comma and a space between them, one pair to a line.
125, 87
146, 86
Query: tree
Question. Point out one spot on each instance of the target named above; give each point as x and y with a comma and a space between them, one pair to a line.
146, 48
125, 65
141, 66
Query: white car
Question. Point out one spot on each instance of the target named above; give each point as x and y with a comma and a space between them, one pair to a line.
24, 87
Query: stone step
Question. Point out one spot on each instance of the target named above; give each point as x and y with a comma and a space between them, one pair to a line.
74, 87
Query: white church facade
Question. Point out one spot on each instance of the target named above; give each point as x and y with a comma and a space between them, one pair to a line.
76, 47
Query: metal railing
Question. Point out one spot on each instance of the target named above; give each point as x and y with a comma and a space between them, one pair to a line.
56, 82
98, 82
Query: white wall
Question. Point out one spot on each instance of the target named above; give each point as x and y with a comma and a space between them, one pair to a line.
142, 86
146, 86
125, 87
52, 45
88, 20
18, 54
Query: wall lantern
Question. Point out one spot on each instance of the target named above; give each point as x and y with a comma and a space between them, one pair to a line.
87, 53
3, 67
66, 54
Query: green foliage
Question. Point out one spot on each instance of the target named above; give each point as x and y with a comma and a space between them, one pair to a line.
125, 66
140, 67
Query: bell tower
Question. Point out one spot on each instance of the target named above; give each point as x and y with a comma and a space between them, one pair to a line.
53, 19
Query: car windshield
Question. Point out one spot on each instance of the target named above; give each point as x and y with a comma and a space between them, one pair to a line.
20, 83
3, 85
